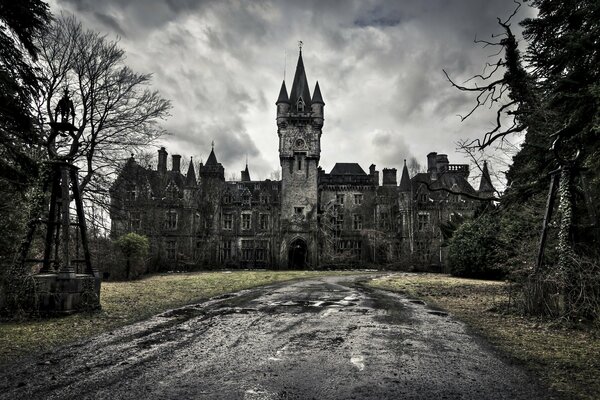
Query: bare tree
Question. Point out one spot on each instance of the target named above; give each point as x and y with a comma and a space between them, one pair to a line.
116, 111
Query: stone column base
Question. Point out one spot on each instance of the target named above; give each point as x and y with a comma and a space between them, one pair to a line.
57, 295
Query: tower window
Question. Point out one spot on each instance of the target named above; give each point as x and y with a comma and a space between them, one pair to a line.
299, 211
299, 163
300, 104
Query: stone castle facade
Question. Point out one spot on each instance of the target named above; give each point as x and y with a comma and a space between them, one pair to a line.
308, 219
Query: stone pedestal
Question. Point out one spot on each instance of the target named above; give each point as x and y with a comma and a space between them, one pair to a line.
57, 294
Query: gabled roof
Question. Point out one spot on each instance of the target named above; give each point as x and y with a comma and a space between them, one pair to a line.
405, 179
283, 95
317, 98
347, 169
485, 186
300, 86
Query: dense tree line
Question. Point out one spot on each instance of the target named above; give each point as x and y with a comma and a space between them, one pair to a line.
550, 92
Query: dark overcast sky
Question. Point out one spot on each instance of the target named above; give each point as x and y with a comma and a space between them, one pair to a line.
378, 63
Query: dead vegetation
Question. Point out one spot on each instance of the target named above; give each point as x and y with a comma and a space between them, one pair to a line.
566, 357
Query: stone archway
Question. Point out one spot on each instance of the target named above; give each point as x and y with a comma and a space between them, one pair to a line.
297, 254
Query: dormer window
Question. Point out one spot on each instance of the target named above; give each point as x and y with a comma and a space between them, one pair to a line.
300, 104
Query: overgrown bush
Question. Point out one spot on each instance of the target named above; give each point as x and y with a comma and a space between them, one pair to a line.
135, 249
473, 249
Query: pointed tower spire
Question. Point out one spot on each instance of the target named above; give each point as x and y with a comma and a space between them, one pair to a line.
317, 98
485, 186
246, 173
190, 178
405, 179
283, 95
212, 159
300, 90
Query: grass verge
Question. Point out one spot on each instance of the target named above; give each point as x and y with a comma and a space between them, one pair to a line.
566, 359
127, 302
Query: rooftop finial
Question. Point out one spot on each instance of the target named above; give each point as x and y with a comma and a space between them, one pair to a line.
300, 43
213, 144
246, 160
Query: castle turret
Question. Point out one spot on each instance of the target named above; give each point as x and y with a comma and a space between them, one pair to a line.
405, 179
317, 106
190, 178
283, 105
486, 189
212, 168
246, 174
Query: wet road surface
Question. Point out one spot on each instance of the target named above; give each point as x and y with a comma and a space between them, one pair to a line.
327, 338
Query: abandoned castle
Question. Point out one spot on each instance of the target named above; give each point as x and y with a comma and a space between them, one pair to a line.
308, 219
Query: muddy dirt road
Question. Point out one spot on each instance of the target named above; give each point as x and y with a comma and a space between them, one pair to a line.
327, 338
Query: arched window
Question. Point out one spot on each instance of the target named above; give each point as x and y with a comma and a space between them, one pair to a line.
300, 104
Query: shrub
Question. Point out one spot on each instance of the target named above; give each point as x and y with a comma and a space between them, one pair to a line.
472, 250
135, 248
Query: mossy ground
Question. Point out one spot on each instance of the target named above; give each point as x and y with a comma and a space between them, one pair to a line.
566, 358
127, 302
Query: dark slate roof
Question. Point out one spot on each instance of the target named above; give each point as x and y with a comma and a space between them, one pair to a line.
190, 178
405, 179
300, 86
485, 186
317, 98
450, 181
283, 95
347, 169
212, 159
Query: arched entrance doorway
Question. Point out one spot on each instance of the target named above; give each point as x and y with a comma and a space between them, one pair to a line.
297, 254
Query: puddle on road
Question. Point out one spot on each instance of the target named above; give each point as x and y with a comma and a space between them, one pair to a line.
358, 362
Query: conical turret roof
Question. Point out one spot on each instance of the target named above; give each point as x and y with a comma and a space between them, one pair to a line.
212, 159
317, 98
300, 86
405, 179
190, 178
485, 186
283, 95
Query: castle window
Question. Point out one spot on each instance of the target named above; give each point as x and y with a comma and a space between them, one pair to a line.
227, 221
299, 158
357, 248
247, 250
171, 247
246, 198
171, 220
260, 250
357, 222
135, 220
423, 197
300, 104
423, 220
264, 198
132, 193
246, 221
339, 223
339, 198
358, 198
227, 250
384, 220
299, 211
172, 192
264, 222
227, 199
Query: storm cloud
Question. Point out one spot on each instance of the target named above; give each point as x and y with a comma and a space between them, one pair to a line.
379, 65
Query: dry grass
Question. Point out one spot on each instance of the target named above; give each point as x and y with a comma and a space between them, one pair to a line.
567, 359
127, 302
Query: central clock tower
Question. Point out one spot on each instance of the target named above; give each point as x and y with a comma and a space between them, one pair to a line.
299, 127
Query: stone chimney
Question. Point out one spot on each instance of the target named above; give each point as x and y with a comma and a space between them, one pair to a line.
374, 174
162, 160
432, 165
176, 163
389, 177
